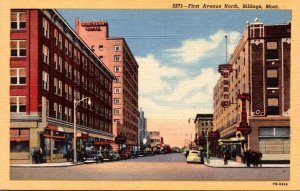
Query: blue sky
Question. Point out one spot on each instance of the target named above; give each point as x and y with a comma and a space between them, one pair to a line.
178, 52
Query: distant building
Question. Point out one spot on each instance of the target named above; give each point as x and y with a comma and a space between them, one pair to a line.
203, 123
142, 129
252, 97
117, 56
156, 140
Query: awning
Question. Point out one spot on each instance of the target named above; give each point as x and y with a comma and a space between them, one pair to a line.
104, 142
19, 139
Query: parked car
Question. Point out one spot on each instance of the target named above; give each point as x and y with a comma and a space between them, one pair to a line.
141, 154
134, 154
124, 155
93, 156
194, 156
116, 156
107, 155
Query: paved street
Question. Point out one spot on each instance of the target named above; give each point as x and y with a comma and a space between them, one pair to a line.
158, 167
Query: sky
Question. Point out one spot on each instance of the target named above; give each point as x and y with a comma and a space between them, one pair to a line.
178, 52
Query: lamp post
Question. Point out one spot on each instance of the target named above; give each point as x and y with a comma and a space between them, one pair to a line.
207, 147
74, 139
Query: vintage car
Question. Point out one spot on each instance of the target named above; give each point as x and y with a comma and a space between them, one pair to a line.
194, 156
93, 156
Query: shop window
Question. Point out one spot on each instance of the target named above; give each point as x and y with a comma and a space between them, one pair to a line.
19, 140
273, 106
18, 76
18, 48
272, 50
18, 20
272, 78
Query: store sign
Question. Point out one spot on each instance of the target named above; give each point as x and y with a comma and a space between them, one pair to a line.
225, 67
120, 140
92, 26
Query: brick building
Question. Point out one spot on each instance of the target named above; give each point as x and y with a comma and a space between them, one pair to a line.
117, 56
203, 123
51, 66
252, 97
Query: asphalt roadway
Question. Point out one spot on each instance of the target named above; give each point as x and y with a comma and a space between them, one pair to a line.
158, 167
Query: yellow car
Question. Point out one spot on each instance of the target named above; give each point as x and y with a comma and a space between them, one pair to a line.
194, 156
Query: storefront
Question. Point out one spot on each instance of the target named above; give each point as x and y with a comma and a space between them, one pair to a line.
235, 146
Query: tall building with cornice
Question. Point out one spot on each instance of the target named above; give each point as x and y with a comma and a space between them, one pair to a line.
252, 96
117, 56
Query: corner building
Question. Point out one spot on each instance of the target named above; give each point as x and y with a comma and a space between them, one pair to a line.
116, 55
50, 67
252, 97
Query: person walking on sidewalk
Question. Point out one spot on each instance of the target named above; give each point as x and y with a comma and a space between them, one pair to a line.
248, 157
226, 157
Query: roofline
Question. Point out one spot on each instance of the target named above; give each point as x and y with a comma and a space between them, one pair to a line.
82, 41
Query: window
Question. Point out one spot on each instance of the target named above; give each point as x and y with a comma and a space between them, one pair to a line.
117, 69
55, 62
272, 78
117, 90
117, 79
70, 115
45, 80
70, 93
17, 104
273, 106
57, 87
117, 111
18, 48
66, 69
47, 107
59, 111
55, 37
66, 91
272, 50
70, 49
45, 28
117, 58
59, 41
70, 71
100, 47
117, 48
60, 64
45, 54
66, 46
55, 109
116, 100
18, 20
67, 113
18, 76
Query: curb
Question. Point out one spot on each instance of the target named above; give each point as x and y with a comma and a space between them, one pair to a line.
40, 166
246, 166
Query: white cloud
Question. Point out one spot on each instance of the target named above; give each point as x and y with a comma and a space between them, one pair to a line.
151, 75
187, 89
192, 50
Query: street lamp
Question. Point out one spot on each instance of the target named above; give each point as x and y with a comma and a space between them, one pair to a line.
74, 139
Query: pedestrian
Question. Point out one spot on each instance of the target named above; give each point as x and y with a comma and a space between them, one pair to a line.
32, 155
36, 156
247, 155
41, 155
226, 157
254, 158
259, 154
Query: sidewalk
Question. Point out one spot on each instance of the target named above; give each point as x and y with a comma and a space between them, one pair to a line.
62, 164
219, 163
